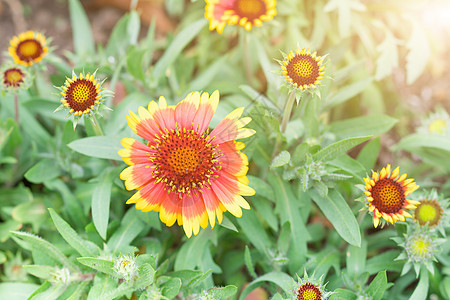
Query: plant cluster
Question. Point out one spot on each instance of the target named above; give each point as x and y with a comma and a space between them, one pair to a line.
255, 171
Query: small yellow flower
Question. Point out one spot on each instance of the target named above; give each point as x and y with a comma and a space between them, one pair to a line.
13, 78
302, 69
428, 211
386, 195
246, 13
28, 48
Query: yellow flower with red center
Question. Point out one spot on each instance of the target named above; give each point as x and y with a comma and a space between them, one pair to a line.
386, 195
28, 48
186, 172
246, 13
13, 77
302, 69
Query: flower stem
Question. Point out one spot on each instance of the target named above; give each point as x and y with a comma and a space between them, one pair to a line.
286, 116
287, 111
97, 129
16, 108
248, 65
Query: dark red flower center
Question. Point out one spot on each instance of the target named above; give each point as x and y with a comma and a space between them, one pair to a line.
81, 94
388, 196
29, 50
309, 291
13, 77
303, 69
250, 9
185, 160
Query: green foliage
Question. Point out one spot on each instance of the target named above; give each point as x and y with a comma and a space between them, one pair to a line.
66, 232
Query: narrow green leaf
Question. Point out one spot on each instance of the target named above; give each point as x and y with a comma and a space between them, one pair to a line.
421, 290
17, 290
98, 146
85, 248
281, 279
378, 286
418, 140
340, 215
341, 294
362, 126
191, 252
334, 150
135, 57
281, 159
249, 262
81, 30
42, 272
251, 227
102, 265
183, 38
80, 291
356, 260
288, 207
388, 59
101, 198
43, 246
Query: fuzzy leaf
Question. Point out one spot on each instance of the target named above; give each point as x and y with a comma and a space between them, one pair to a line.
281, 159
102, 265
418, 140
85, 248
378, 286
362, 126
249, 262
101, 197
334, 150
81, 30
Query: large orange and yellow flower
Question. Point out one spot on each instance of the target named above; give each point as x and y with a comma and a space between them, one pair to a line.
186, 172
28, 48
386, 195
246, 13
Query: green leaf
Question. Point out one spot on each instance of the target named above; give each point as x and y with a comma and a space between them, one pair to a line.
340, 215
281, 159
135, 57
346, 93
17, 290
288, 207
341, 294
80, 291
419, 52
33, 212
44, 170
81, 30
378, 286
261, 187
388, 59
85, 248
418, 140
369, 154
249, 262
421, 290
171, 287
362, 126
191, 252
43, 246
43, 272
130, 227
356, 260
98, 146
146, 276
117, 42
281, 279
334, 150
182, 39
102, 265
223, 293
101, 198
251, 227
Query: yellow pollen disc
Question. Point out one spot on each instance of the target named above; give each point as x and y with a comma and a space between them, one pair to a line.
13, 76
250, 9
303, 68
309, 295
29, 48
420, 247
81, 93
428, 211
437, 126
184, 160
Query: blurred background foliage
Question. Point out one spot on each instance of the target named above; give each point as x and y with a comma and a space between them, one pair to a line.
385, 76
